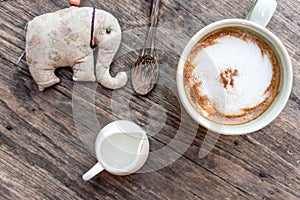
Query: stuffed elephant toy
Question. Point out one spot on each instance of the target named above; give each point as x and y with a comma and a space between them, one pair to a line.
67, 38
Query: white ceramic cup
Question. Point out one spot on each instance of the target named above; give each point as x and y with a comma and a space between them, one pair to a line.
256, 21
121, 147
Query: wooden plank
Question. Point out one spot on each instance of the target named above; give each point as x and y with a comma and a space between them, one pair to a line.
43, 155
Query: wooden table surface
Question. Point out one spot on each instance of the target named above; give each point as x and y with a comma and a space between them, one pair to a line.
47, 137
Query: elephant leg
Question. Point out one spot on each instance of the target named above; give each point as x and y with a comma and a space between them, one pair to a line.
43, 77
84, 69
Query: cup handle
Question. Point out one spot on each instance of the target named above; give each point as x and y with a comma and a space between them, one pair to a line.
262, 11
96, 169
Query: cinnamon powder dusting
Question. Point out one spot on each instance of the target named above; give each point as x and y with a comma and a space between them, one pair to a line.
202, 100
227, 77
203, 104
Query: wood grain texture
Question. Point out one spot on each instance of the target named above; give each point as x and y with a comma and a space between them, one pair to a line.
43, 155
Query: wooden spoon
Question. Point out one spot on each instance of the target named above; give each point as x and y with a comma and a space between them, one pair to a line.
145, 71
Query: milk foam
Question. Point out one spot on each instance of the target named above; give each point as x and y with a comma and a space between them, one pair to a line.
253, 77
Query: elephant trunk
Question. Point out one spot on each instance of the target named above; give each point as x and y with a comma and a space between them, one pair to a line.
106, 80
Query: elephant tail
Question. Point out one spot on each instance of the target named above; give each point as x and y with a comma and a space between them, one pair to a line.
20, 58
26, 26
24, 52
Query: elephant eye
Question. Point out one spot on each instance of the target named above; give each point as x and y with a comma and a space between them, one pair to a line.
108, 30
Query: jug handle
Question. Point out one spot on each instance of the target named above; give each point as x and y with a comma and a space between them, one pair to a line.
96, 169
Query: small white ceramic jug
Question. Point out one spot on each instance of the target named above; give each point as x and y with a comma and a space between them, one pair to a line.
121, 147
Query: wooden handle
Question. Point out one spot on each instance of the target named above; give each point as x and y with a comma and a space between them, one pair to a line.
149, 45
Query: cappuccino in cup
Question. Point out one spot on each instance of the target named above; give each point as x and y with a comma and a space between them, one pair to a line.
235, 76
231, 76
